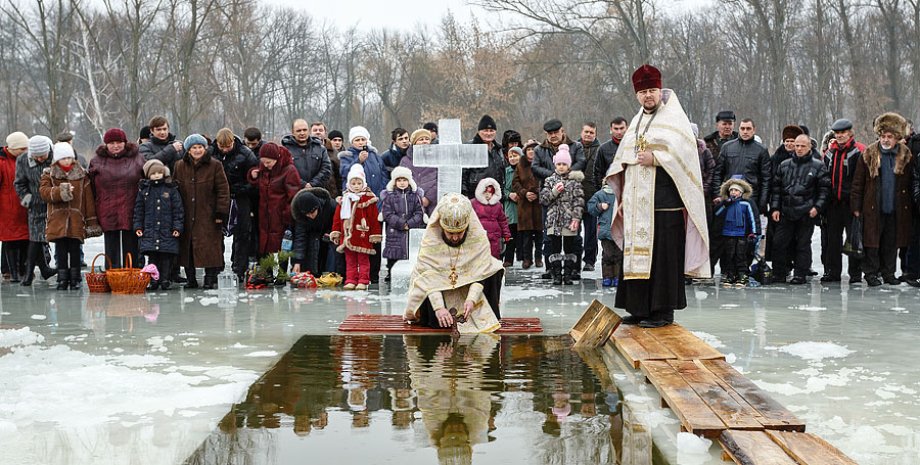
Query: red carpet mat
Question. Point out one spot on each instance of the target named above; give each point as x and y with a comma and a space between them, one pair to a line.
395, 324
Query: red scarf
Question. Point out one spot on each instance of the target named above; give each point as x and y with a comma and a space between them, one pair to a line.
66, 168
838, 166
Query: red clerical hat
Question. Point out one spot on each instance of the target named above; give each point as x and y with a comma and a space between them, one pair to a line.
646, 77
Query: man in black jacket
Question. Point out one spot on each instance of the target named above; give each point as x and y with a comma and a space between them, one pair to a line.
608, 150
162, 144
485, 134
237, 159
748, 158
589, 141
841, 157
799, 194
725, 131
310, 156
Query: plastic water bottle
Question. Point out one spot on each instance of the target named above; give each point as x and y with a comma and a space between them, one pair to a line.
287, 244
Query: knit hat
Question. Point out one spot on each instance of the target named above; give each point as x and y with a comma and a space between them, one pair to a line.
271, 151
418, 134
519, 151
62, 150
39, 146
356, 171
145, 133
486, 122
114, 135
17, 140
646, 77
562, 155
893, 123
194, 139
155, 166
336, 134
792, 131
359, 131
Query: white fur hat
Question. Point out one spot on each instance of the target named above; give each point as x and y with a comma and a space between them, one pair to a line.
356, 171
359, 131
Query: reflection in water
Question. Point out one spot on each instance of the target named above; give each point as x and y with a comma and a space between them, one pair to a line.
418, 399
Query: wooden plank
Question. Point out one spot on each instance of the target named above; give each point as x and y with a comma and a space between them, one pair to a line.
809, 449
753, 448
694, 415
684, 344
651, 349
775, 416
735, 415
629, 347
595, 326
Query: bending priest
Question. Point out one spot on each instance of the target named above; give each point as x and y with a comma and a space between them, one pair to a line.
455, 270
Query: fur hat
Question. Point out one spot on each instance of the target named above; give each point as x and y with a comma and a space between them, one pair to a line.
646, 77
195, 139
562, 155
484, 184
792, 131
155, 166
401, 172
486, 122
17, 140
63, 150
419, 133
114, 135
891, 122
356, 171
39, 146
739, 183
359, 131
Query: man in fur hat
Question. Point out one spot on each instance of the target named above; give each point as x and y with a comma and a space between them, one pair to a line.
880, 196
660, 222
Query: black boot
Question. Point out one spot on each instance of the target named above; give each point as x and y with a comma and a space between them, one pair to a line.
191, 280
42, 260
154, 285
76, 278
555, 268
12, 260
571, 264
30, 266
210, 279
165, 284
63, 279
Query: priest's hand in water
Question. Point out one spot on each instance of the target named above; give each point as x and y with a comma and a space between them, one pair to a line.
445, 320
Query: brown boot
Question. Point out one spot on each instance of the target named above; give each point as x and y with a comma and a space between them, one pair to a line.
526, 264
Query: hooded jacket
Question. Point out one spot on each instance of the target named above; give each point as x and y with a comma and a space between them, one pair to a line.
14, 219
277, 187
738, 216
158, 211
491, 214
562, 207
400, 208
72, 216
801, 183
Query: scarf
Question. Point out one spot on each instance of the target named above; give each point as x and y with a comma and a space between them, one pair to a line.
348, 199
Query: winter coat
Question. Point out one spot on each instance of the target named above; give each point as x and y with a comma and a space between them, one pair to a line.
360, 232
841, 164
507, 189
205, 196
714, 143
865, 194
495, 169
913, 143
74, 217
915, 187
605, 155
311, 160
591, 150
374, 170
543, 166
14, 218
562, 207
491, 214
801, 183
28, 179
305, 226
400, 208
425, 178
333, 185
237, 164
277, 188
708, 166
529, 212
115, 181
393, 157
604, 217
737, 215
751, 160
158, 211
163, 150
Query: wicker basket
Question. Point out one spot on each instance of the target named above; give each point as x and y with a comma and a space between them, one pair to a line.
128, 280
98, 282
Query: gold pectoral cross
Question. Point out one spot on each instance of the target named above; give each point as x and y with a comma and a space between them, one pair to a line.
641, 144
453, 276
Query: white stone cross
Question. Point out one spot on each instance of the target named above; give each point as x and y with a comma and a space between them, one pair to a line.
450, 156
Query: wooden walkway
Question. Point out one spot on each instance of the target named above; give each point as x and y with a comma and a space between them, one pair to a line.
712, 399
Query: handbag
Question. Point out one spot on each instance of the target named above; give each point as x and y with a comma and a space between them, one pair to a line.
853, 247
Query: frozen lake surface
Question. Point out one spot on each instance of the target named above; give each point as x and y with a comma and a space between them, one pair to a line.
147, 379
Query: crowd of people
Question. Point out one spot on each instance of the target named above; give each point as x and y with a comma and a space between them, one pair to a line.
340, 204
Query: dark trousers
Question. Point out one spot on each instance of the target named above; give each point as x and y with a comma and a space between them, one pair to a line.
67, 253
589, 222
118, 244
14, 256
611, 259
882, 260
511, 246
163, 262
311, 254
375, 263
561, 244
838, 218
795, 233
736, 257
545, 246
910, 256
529, 244
242, 240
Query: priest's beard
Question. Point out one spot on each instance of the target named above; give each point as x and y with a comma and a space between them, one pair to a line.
451, 243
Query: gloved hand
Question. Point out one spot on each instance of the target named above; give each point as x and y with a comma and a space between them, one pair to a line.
752, 238
26, 200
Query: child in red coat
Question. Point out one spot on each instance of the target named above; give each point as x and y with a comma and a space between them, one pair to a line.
491, 213
355, 229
